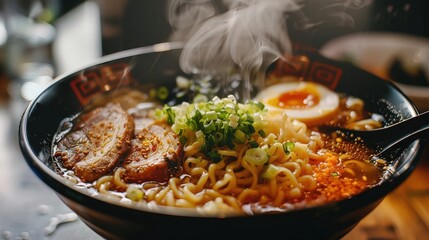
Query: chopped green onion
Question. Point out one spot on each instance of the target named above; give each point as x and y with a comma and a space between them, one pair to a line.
133, 193
153, 93
200, 98
258, 125
262, 133
240, 136
270, 172
259, 105
211, 115
216, 123
182, 82
159, 114
192, 124
199, 134
233, 120
288, 147
209, 126
228, 137
197, 116
253, 144
170, 115
256, 156
162, 93
218, 136
183, 140
214, 156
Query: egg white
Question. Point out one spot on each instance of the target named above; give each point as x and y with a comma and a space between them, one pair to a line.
320, 113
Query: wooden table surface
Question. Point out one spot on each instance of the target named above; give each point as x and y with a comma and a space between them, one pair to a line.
404, 213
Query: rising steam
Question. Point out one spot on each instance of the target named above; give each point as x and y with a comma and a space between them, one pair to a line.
248, 34
244, 36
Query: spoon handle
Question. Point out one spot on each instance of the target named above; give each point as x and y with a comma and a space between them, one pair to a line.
403, 129
406, 139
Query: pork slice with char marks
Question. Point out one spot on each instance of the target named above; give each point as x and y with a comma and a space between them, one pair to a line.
155, 155
97, 143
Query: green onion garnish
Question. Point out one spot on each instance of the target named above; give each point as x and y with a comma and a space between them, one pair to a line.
288, 147
162, 93
253, 144
220, 123
270, 172
256, 156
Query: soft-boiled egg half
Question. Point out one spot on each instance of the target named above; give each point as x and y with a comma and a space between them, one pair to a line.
309, 102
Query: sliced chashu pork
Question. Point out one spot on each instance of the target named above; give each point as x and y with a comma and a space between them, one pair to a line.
97, 142
155, 153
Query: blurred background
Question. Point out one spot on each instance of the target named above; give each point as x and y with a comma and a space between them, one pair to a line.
42, 39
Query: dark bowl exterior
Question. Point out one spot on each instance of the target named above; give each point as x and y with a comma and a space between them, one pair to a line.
68, 94
113, 222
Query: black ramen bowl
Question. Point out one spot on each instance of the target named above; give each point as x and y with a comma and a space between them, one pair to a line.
159, 64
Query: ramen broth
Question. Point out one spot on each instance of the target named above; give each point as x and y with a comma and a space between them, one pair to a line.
271, 163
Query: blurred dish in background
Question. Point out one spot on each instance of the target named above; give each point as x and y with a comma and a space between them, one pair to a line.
404, 59
3, 79
28, 60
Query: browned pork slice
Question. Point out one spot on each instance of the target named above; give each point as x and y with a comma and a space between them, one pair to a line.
97, 142
155, 153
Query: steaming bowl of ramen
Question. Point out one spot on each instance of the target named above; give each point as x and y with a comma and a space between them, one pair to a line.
140, 149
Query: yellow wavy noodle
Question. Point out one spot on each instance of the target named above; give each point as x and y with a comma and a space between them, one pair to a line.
364, 124
212, 170
358, 169
307, 182
169, 198
192, 149
253, 171
278, 199
106, 186
174, 188
247, 194
226, 184
273, 187
316, 141
230, 200
101, 182
202, 181
216, 206
117, 178
276, 153
191, 196
160, 196
286, 178
295, 192
316, 157
151, 194
294, 167
230, 153
302, 151
286, 129
184, 203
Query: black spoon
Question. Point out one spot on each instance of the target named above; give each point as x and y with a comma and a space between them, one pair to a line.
388, 138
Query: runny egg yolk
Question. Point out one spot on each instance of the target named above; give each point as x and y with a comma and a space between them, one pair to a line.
299, 98
309, 102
